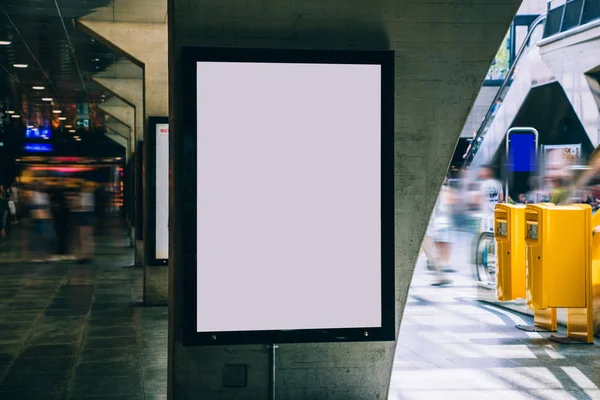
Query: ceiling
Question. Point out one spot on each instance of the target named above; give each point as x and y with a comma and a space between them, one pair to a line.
59, 57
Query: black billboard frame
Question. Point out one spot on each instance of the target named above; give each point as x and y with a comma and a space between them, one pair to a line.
385, 58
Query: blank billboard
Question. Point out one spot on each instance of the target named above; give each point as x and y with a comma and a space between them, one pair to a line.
157, 200
289, 199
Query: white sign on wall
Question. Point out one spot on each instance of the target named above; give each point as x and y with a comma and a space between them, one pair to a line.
162, 192
288, 196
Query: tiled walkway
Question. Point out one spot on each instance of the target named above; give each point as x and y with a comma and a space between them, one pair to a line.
453, 347
70, 331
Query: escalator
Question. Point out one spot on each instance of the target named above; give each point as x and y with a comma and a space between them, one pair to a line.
527, 71
490, 136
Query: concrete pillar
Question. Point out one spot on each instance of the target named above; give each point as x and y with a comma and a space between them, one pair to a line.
119, 110
141, 37
128, 94
119, 128
443, 51
115, 137
122, 69
129, 91
121, 120
570, 59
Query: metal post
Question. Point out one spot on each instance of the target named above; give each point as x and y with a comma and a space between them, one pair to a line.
272, 365
513, 46
562, 18
581, 13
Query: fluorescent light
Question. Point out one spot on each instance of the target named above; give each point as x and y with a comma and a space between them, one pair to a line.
56, 111
15, 116
5, 42
38, 88
46, 98
118, 158
20, 65
72, 131
10, 112
68, 126
78, 139
29, 126
62, 118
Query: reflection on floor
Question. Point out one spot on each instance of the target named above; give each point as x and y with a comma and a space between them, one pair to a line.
453, 347
70, 331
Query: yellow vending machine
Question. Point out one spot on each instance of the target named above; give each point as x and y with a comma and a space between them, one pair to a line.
510, 252
511, 270
559, 265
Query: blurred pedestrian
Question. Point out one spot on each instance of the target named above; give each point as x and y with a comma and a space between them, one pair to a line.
13, 204
490, 191
101, 199
4, 212
61, 213
42, 223
437, 244
85, 218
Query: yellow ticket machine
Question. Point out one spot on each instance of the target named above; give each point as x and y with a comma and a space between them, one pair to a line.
510, 266
559, 265
511, 275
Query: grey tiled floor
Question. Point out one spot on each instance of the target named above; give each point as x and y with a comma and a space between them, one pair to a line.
70, 331
452, 346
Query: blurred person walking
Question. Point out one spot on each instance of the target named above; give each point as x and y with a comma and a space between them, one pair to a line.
13, 202
42, 223
4, 212
101, 199
490, 191
85, 219
61, 213
437, 244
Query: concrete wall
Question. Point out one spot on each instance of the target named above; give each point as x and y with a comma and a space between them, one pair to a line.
443, 51
480, 108
570, 57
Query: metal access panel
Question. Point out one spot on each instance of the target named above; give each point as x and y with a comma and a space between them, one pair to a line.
289, 196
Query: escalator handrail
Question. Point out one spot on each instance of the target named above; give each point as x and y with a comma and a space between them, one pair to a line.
500, 93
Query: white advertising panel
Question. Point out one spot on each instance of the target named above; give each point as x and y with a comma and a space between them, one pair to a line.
162, 192
288, 196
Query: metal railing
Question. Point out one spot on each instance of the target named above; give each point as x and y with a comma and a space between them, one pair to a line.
499, 98
564, 15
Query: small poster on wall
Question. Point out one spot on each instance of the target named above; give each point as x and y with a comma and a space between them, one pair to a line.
158, 194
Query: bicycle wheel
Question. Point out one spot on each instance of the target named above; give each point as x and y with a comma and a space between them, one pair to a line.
485, 258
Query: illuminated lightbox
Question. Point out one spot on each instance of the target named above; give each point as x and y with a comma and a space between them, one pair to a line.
293, 194
158, 193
